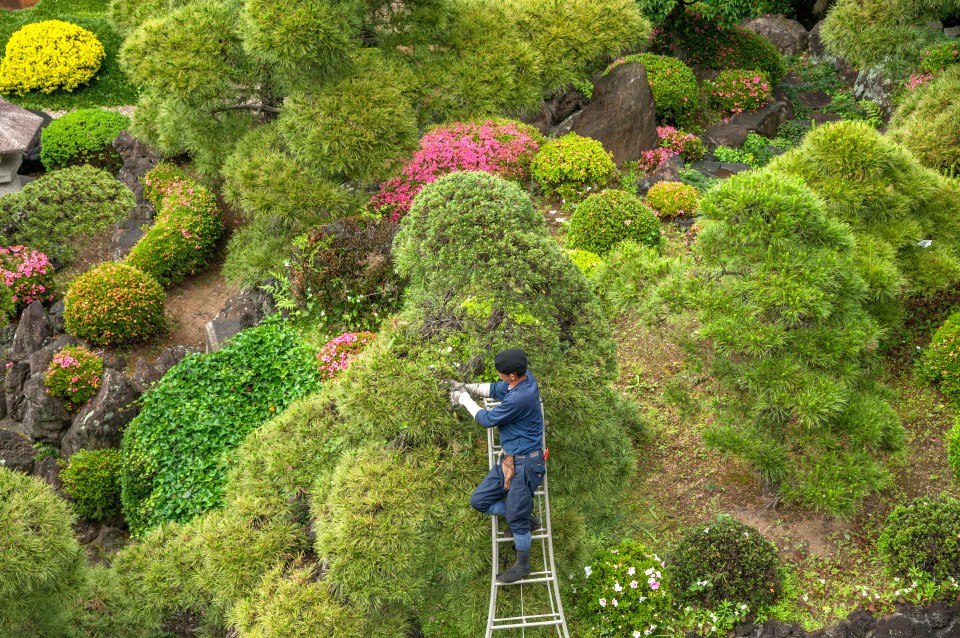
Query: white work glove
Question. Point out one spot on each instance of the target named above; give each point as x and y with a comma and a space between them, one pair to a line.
464, 399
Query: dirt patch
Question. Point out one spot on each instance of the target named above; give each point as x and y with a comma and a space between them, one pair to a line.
192, 304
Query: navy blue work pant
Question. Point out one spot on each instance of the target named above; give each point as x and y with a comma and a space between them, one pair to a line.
518, 500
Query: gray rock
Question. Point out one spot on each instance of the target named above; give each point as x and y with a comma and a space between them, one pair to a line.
934, 25
146, 374
814, 43
727, 134
764, 120
219, 331
32, 331
40, 360
126, 234
668, 171
100, 423
787, 35
823, 118
44, 417
16, 452
814, 99
138, 158
951, 32
621, 114
871, 84
556, 110
731, 168
49, 470
55, 317
17, 375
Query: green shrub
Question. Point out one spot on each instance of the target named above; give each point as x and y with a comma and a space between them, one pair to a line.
625, 588
605, 219
940, 362
49, 55
113, 303
173, 473
7, 305
41, 564
585, 260
158, 181
739, 90
922, 536
92, 479
631, 275
127, 15
571, 165
940, 57
725, 560
836, 484
56, 212
673, 199
673, 84
953, 449
927, 122
74, 375
82, 137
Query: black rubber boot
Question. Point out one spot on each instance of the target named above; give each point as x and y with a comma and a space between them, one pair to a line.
534, 526
520, 569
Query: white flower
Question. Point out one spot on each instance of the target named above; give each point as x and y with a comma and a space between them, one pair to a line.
805, 598
617, 587
746, 535
634, 584
588, 570
631, 571
561, 219
636, 634
615, 603
650, 571
603, 602
706, 530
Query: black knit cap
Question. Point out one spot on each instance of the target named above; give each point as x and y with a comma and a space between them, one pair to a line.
512, 361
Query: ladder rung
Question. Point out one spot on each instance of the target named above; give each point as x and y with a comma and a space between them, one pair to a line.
553, 616
526, 581
502, 538
507, 623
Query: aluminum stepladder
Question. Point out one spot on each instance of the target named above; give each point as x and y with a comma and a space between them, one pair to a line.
546, 577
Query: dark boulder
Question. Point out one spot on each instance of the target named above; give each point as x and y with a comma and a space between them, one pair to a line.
100, 423
556, 109
766, 119
32, 331
44, 417
16, 452
146, 374
17, 375
726, 134
40, 360
244, 310
787, 35
49, 470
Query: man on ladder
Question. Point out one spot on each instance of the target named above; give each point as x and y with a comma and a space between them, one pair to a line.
507, 490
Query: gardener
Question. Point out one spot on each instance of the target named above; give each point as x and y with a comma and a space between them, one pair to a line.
507, 490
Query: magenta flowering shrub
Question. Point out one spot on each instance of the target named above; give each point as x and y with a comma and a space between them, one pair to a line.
650, 160
737, 90
686, 144
498, 146
940, 57
114, 303
157, 181
335, 356
27, 273
74, 375
917, 79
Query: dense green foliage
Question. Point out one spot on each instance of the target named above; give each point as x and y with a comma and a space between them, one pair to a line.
922, 535
940, 362
673, 199
7, 305
92, 479
672, 83
585, 260
724, 559
739, 90
74, 375
607, 218
113, 303
54, 212
637, 277
81, 137
175, 452
41, 563
927, 122
570, 166
780, 302
953, 449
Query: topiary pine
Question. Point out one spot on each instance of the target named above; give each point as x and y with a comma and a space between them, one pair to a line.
927, 121
922, 536
92, 480
605, 219
82, 137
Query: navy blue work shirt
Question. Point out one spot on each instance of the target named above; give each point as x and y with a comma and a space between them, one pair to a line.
518, 416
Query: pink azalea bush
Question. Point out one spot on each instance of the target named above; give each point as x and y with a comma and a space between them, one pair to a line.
27, 273
686, 144
335, 356
498, 146
74, 375
917, 80
650, 160
737, 90
159, 179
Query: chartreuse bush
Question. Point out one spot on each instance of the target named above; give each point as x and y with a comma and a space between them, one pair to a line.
570, 166
605, 219
55, 212
953, 449
50, 55
172, 472
725, 560
41, 567
585, 260
781, 304
921, 536
113, 303
82, 137
92, 479
927, 122
940, 362
672, 83
375, 485
673, 199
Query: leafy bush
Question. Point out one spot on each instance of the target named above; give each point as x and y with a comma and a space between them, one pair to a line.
114, 303
74, 375
585, 260
92, 480
500, 147
693, 177
927, 122
953, 449
673, 199
624, 592
172, 472
188, 225
571, 165
651, 160
725, 560
940, 362
631, 275
158, 181
335, 356
673, 85
7, 305
686, 144
345, 270
922, 536
605, 219
82, 137
27, 275
41, 565
50, 55
940, 57
736, 91
55, 212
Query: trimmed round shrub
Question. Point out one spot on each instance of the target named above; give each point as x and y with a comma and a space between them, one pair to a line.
41, 563
571, 165
585, 260
739, 90
74, 375
92, 479
335, 356
57, 212
624, 590
497, 146
922, 536
673, 199
50, 55
159, 179
188, 225
114, 303
940, 57
27, 274
686, 144
673, 85
927, 122
940, 362
82, 137
605, 219
734, 560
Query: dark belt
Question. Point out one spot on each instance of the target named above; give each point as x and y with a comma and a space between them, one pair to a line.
532, 455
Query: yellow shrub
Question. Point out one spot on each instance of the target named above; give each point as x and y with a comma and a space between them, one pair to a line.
50, 55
